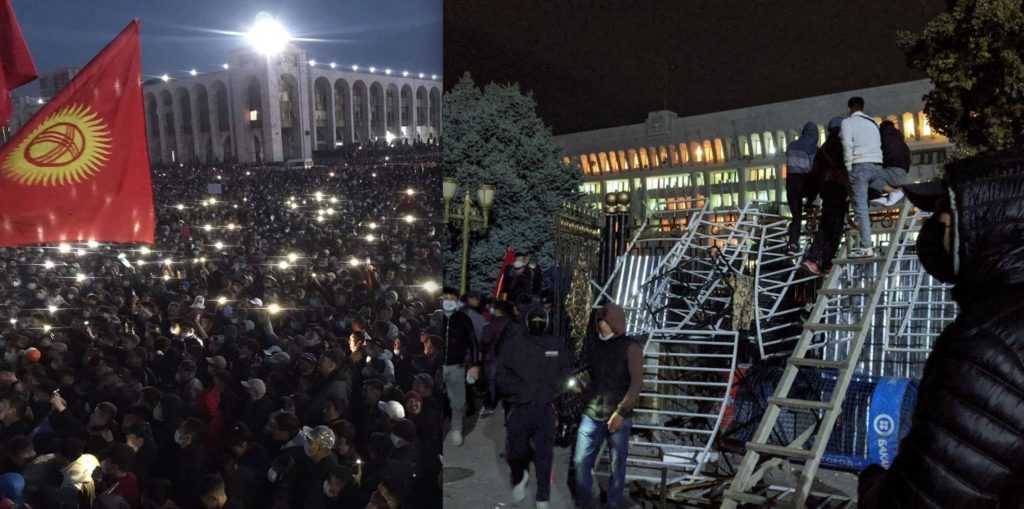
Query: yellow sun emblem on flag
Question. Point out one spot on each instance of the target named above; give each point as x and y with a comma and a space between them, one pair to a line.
68, 147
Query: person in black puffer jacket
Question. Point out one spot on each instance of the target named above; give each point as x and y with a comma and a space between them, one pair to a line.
965, 447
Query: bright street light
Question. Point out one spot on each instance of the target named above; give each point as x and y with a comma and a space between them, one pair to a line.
333, 65
274, 309
165, 77
193, 72
226, 67
267, 35
64, 248
430, 286
282, 265
410, 219
292, 257
48, 264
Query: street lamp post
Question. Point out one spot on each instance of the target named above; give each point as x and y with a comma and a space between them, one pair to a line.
472, 218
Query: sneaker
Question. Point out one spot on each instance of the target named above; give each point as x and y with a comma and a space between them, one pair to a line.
519, 491
457, 438
811, 266
888, 201
542, 505
861, 252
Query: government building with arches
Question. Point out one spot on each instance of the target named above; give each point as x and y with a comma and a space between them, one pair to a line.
735, 157
284, 107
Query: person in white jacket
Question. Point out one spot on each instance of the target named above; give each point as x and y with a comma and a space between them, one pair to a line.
862, 153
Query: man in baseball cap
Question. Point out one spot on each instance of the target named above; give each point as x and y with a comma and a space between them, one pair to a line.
319, 446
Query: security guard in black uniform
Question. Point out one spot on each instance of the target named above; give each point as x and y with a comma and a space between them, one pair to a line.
533, 370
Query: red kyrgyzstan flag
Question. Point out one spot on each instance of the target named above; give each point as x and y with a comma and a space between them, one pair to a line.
510, 258
16, 67
79, 170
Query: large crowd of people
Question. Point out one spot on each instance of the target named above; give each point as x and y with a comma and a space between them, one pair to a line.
270, 350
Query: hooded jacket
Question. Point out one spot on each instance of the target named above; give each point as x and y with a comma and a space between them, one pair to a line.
614, 368
532, 369
800, 152
895, 152
965, 447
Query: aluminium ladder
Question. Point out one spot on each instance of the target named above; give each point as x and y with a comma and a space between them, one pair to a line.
819, 331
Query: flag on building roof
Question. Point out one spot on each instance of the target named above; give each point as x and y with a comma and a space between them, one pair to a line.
79, 170
16, 66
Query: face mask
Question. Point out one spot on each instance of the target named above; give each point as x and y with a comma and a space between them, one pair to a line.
31, 286
931, 250
177, 437
327, 489
603, 337
449, 306
518, 264
272, 475
158, 413
537, 327
10, 356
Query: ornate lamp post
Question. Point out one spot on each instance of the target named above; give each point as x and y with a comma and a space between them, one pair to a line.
472, 218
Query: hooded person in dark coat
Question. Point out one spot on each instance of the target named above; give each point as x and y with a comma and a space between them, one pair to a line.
532, 371
833, 182
799, 184
965, 447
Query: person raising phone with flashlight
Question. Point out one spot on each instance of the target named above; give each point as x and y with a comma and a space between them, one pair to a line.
612, 376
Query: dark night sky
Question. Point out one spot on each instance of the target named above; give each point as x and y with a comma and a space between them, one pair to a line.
599, 63
178, 35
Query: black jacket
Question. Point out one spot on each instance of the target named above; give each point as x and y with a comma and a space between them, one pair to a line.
965, 447
895, 152
532, 369
459, 340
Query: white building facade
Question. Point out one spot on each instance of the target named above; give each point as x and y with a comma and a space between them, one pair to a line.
280, 108
735, 157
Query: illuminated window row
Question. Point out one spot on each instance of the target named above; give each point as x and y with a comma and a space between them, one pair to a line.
719, 150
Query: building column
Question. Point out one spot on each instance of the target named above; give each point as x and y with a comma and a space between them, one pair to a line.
161, 133
198, 145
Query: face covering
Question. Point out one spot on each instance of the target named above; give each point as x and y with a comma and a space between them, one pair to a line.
177, 437
272, 475
31, 286
604, 337
449, 306
931, 250
518, 264
537, 327
327, 489
158, 413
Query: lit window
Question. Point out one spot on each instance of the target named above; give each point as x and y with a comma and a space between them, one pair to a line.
719, 150
709, 154
908, 125
623, 163
755, 141
585, 164
926, 128
254, 115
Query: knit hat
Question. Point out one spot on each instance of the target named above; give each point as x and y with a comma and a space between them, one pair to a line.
424, 379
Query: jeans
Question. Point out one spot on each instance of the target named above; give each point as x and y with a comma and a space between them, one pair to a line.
531, 437
798, 187
592, 434
455, 386
861, 175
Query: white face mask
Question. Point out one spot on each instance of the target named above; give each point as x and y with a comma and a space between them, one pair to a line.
272, 475
177, 437
518, 264
604, 337
327, 489
158, 413
449, 306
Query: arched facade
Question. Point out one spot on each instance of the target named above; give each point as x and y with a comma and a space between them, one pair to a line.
360, 113
290, 118
283, 108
